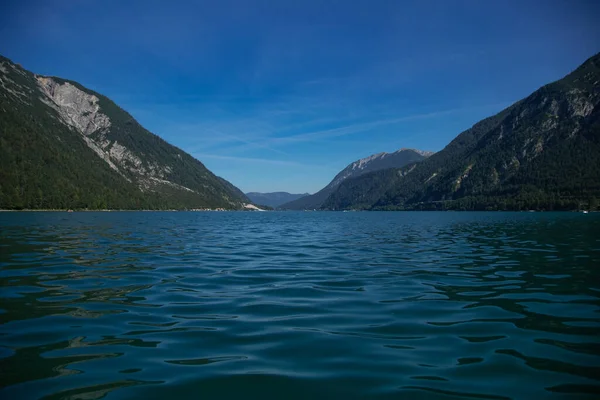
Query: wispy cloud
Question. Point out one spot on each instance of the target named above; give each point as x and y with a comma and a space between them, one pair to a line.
350, 128
250, 160
257, 144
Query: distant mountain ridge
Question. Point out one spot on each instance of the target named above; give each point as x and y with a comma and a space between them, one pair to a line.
273, 199
543, 152
65, 146
379, 161
375, 162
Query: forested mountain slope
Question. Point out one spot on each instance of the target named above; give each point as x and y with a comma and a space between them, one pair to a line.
542, 152
65, 146
375, 162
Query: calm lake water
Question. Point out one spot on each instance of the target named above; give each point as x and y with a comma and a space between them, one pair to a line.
299, 305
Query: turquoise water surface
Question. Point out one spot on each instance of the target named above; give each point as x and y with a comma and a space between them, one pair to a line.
299, 305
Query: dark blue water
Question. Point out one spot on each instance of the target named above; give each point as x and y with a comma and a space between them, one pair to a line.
299, 305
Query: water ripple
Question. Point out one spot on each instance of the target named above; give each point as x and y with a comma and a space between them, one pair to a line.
298, 305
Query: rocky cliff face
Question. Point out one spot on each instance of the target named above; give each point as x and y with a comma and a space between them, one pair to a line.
61, 112
81, 111
76, 107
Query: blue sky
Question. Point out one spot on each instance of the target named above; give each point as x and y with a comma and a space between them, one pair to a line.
281, 95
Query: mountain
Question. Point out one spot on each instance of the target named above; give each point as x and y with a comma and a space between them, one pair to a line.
65, 146
542, 152
274, 199
376, 162
234, 190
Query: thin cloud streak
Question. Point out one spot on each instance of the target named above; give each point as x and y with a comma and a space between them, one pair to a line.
326, 134
253, 144
231, 133
249, 160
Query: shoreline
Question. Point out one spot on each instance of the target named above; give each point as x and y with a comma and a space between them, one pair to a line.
255, 210
132, 210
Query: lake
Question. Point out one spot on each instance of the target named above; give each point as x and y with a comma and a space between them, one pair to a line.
290, 305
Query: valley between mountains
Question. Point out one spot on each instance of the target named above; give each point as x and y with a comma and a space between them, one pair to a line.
63, 146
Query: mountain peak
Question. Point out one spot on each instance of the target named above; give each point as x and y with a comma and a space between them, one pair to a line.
379, 161
374, 162
423, 153
363, 161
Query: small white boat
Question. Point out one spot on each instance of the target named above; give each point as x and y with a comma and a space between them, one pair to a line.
585, 211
